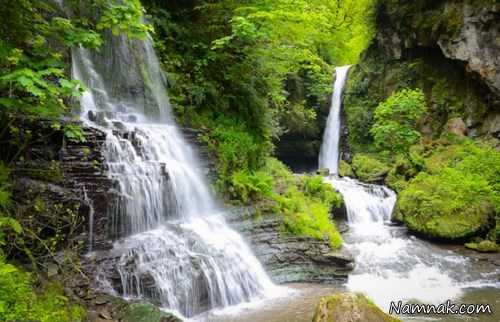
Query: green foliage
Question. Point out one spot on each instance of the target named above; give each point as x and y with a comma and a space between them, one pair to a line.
124, 17
20, 302
449, 188
4, 188
7, 224
484, 246
307, 209
307, 217
396, 119
315, 187
251, 186
451, 205
235, 149
345, 169
74, 133
349, 307
266, 63
35, 40
72, 35
145, 312
368, 168
467, 156
304, 201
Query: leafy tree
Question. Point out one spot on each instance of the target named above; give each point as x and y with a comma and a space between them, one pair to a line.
396, 119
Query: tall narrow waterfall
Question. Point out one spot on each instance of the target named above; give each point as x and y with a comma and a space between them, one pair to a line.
390, 265
172, 245
329, 153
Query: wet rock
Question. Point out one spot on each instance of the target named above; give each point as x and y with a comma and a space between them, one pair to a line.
92, 116
323, 172
349, 307
52, 269
456, 126
492, 125
120, 126
105, 315
290, 258
145, 312
485, 246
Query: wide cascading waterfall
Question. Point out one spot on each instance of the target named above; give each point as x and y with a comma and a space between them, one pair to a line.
172, 245
329, 153
390, 265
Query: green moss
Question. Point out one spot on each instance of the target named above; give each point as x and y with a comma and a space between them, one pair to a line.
145, 312
306, 209
367, 168
43, 171
345, 169
349, 307
485, 246
21, 301
449, 205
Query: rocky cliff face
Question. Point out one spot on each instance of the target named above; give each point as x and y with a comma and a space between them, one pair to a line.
290, 258
57, 185
447, 48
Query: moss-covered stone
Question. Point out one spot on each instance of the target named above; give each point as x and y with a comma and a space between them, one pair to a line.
485, 246
345, 169
367, 168
349, 307
451, 205
145, 312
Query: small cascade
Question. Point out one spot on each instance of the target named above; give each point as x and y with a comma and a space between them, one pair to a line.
366, 203
171, 243
390, 265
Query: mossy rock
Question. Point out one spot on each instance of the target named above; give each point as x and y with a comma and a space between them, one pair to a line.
345, 169
485, 246
369, 169
349, 307
451, 205
145, 312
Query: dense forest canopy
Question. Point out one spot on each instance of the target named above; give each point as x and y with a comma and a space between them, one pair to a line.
244, 75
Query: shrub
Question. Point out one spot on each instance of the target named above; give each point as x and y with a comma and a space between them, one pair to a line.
20, 302
345, 169
396, 119
304, 201
306, 217
235, 149
254, 186
315, 187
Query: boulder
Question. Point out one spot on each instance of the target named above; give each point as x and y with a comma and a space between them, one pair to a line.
145, 312
485, 246
349, 307
456, 126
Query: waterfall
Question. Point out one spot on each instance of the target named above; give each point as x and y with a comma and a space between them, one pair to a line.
390, 266
171, 242
329, 152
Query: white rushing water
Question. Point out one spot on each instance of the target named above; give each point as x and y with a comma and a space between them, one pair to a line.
329, 153
390, 265
171, 242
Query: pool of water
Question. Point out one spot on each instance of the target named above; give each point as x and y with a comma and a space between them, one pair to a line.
300, 304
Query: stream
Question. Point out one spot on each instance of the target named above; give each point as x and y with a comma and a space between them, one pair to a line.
390, 264
172, 245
